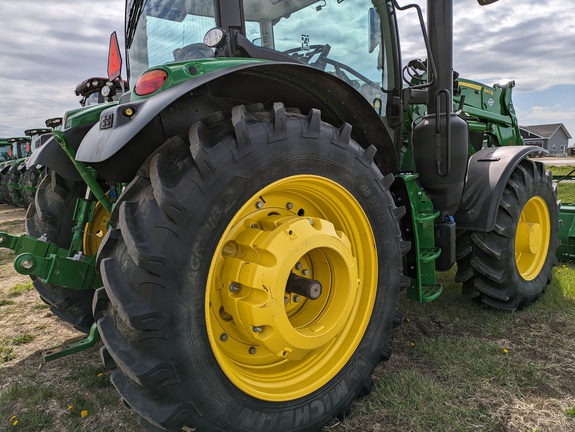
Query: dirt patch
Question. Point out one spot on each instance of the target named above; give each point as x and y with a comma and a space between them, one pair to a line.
9, 213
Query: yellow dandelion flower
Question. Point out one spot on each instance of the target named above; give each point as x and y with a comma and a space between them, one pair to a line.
15, 423
12, 418
505, 351
100, 374
70, 407
412, 344
84, 413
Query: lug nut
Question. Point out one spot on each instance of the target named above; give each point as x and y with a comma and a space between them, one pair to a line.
223, 337
252, 350
257, 329
298, 266
289, 206
259, 205
234, 287
305, 272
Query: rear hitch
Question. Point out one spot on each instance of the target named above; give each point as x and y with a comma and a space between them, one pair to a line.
74, 347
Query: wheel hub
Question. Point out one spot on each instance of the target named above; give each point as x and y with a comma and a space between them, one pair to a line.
530, 237
263, 259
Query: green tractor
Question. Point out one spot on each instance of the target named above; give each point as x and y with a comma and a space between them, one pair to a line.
241, 224
12, 170
92, 91
30, 175
5, 152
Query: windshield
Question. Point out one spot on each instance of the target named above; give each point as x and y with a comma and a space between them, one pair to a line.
5, 153
332, 35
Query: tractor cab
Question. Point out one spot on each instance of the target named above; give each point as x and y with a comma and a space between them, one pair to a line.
20, 147
95, 91
303, 31
38, 137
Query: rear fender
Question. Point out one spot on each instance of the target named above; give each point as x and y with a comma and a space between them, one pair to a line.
488, 172
129, 133
52, 156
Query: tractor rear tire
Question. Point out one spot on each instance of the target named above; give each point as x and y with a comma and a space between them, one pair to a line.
194, 309
13, 181
509, 267
30, 181
5, 189
51, 216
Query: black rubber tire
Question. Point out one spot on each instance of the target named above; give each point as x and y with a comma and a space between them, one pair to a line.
6, 196
2, 194
29, 182
51, 216
486, 260
13, 180
151, 316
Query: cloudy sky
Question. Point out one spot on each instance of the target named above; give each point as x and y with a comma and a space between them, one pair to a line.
47, 47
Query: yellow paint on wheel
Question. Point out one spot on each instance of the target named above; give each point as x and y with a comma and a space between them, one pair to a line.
532, 238
277, 345
95, 230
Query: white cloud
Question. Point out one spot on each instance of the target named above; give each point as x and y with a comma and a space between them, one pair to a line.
47, 47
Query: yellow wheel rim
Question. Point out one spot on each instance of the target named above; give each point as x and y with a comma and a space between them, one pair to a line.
95, 230
532, 238
274, 344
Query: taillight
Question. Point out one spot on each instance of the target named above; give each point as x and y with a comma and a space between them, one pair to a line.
150, 81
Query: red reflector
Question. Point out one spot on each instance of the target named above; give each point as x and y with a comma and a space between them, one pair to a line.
150, 82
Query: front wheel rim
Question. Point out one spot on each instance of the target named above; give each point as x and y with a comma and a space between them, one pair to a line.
532, 238
277, 345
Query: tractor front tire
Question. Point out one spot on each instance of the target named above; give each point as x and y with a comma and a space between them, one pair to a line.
509, 267
197, 311
51, 216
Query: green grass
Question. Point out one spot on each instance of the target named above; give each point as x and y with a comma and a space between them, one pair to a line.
20, 288
457, 366
566, 187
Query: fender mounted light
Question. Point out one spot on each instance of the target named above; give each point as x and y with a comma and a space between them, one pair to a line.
150, 81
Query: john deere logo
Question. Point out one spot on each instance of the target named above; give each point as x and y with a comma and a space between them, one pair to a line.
490, 102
